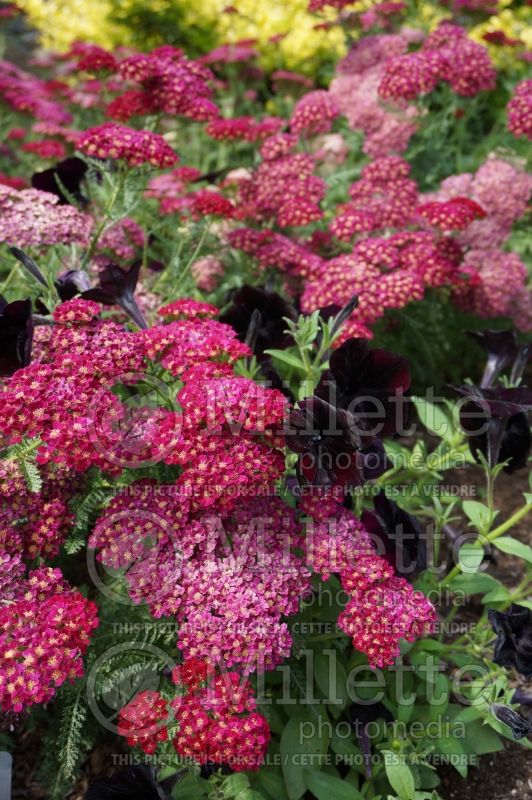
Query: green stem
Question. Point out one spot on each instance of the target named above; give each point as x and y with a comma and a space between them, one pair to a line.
10, 277
495, 533
105, 219
194, 255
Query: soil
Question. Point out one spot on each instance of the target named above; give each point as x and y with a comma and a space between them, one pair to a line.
500, 776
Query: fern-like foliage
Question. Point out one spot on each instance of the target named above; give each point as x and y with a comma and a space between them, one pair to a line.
86, 509
24, 455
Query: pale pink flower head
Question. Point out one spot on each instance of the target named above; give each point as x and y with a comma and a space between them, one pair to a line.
206, 272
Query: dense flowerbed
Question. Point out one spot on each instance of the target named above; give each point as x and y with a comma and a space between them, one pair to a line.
253, 322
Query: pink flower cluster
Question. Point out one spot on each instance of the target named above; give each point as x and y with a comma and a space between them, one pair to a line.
497, 280
45, 148
446, 55
36, 525
228, 579
111, 140
123, 240
218, 721
91, 58
383, 608
143, 721
520, 110
169, 83
45, 627
387, 128
314, 113
31, 218
214, 713
25, 92
247, 128
283, 188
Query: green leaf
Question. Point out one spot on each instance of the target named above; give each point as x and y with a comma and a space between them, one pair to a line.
331, 678
304, 743
470, 558
287, 358
473, 583
525, 603
433, 418
326, 787
32, 476
514, 547
399, 775
481, 739
190, 788
497, 595
235, 784
271, 782
477, 513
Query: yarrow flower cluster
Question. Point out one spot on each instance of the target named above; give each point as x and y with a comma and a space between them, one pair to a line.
285, 188
228, 598
387, 128
247, 128
45, 631
213, 718
25, 92
520, 110
169, 83
114, 141
383, 608
314, 113
31, 218
446, 55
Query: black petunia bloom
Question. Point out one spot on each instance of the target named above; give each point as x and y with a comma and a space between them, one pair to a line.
68, 174
398, 534
520, 726
369, 383
331, 450
117, 287
71, 283
16, 335
497, 424
269, 327
503, 351
132, 783
361, 715
513, 646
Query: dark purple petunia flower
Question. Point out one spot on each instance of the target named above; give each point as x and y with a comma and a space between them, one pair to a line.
520, 726
133, 783
68, 174
116, 286
269, 324
496, 423
331, 450
513, 646
29, 264
16, 335
361, 715
71, 283
369, 383
503, 351
398, 535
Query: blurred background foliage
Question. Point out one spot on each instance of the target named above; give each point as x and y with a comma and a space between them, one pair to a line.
288, 36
